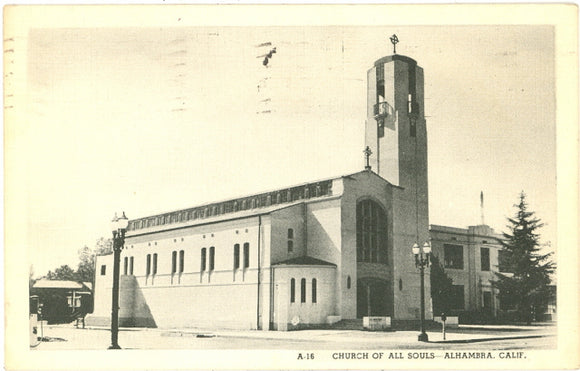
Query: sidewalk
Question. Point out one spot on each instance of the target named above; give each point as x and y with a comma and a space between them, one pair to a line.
69, 337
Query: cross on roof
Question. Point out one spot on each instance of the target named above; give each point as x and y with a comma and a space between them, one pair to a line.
394, 40
368, 154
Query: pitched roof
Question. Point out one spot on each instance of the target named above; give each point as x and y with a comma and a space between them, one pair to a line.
304, 260
53, 284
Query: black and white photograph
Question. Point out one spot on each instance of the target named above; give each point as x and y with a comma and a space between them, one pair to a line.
291, 186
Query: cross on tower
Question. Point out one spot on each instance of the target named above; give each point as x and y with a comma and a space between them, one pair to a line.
368, 154
394, 40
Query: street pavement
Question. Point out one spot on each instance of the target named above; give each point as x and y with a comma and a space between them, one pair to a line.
63, 337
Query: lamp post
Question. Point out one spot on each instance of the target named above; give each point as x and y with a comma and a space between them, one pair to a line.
118, 227
422, 261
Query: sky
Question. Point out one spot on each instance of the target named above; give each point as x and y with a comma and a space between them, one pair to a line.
153, 119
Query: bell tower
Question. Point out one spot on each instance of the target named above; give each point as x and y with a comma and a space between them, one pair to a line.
395, 125
396, 135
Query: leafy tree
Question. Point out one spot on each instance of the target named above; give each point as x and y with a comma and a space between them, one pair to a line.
86, 268
526, 287
441, 288
104, 246
31, 279
64, 273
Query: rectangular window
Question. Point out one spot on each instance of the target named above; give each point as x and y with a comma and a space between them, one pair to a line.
173, 262
485, 259
148, 271
487, 301
131, 260
103, 270
457, 299
292, 290
303, 290
211, 258
125, 265
181, 261
246, 255
155, 264
237, 256
453, 256
314, 290
203, 256
290, 245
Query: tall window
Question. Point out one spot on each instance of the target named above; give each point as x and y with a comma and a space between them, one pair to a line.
203, 255
290, 240
314, 290
211, 258
292, 290
125, 265
148, 269
181, 260
453, 256
371, 232
246, 255
237, 256
154, 264
303, 290
485, 259
131, 261
103, 270
173, 262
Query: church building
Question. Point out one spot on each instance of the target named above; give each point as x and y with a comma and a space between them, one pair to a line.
302, 256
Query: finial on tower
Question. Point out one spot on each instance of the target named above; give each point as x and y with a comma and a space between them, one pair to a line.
368, 154
394, 40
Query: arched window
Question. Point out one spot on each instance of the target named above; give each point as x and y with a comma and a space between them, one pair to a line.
236, 256
314, 290
348, 282
173, 262
303, 290
211, 258
371, 232
292, 290
246, 255
203, 259
181, 260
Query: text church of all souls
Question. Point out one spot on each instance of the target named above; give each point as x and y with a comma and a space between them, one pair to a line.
310, 254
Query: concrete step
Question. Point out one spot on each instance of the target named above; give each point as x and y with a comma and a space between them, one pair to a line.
348, 324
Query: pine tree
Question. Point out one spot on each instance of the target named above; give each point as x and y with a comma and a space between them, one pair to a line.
526, 287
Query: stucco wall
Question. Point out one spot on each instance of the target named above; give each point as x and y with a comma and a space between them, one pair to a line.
291, 217
323, 228
307, 313
224, 297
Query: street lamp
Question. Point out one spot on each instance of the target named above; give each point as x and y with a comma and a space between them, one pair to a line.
118, 227
422, 261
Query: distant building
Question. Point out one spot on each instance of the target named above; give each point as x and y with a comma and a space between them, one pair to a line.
470, 257
63, 301
306, 255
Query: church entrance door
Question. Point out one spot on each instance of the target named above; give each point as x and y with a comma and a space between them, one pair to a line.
372, 297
